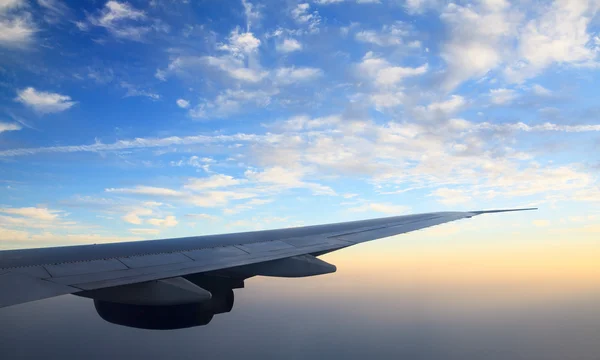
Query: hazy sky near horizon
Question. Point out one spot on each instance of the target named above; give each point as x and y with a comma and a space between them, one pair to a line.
164, 118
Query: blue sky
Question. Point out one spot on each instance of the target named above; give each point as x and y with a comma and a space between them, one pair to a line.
153, 119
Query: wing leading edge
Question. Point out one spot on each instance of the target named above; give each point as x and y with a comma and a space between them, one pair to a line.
34, 274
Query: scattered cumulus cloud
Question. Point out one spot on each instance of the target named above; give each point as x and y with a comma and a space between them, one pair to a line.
44, 102
168, 221
303, 15
559, 36
289, 45
184, 104
384, 74
285, 107
135, 216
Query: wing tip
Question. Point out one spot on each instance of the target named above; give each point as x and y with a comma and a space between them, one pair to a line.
479, 212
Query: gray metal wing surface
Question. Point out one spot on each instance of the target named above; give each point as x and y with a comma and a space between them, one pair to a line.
34, 274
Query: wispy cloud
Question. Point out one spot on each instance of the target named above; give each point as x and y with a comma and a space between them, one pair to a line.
55, 11
146, 190
124, 21
212, 182
33, 213
389, 35
132, 90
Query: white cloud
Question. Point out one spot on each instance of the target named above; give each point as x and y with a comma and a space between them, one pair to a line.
195, 161
255, 202
405, 131
539, 90
502, 96
241, 43
218, 198
43, 214
9, 127
205, 195
230, 102
184, 104
248, 205
290, 75
252, 14
420, 6
161, 74
212, 182
328, 2
235, 68
382, 73
454, 104
279, 178
19, 239
55, 11
479, 37
11, 4
202, 216
304, 122
146, 190
17, 28
168, 221
536, 128
441, 111
134, 216
390, 35
384, 100
451, 196
44, 102
240, 61
132, 90
289, 45
122, 20
558, 36
394, 74
302, 15
137, 143
82, 26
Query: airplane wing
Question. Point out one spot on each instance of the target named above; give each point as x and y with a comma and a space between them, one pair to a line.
160, 272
